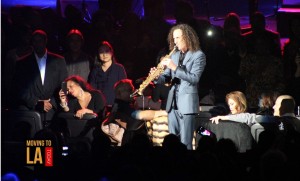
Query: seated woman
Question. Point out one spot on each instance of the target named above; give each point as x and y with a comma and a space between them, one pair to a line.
283, 123
239, 133
237, 103
245, 117
124, 114
81, 98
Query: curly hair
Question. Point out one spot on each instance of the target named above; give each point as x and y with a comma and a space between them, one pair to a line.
239, 98
189, 36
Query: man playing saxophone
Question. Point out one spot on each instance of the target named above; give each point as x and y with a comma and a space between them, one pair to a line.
185, 68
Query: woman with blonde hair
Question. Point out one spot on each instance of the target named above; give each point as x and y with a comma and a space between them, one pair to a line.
237, 102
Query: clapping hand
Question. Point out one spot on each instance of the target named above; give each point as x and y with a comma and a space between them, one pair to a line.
217, 118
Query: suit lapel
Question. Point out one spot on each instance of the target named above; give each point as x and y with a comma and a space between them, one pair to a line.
47, 72
36, 72
187, 57
176, 57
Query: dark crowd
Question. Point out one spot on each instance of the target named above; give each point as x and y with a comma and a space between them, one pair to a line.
92, 54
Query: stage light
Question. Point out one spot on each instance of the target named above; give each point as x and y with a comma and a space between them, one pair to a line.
210, 33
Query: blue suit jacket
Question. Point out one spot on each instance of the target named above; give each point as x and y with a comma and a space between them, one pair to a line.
193, 66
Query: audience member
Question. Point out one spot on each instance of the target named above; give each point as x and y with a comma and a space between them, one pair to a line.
106, 72
78, 62
81, 98
125, 115
291, 59
38, 78
227, 153
266, 103
261, 71
206, 144
259, 30
173, 145
232, 35
271, 162
226, 58
283, 108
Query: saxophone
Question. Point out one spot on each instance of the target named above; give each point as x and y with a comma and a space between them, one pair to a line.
159, 70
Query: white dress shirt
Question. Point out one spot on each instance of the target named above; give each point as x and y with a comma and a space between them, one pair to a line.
42, 65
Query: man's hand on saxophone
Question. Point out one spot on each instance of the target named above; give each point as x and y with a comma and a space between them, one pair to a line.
167, 62
153, 71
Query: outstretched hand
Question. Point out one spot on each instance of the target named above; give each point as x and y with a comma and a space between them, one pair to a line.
216, 119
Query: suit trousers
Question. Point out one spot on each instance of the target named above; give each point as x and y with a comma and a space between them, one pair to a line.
182, 125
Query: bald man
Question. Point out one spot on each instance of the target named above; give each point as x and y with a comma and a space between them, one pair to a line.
283, 110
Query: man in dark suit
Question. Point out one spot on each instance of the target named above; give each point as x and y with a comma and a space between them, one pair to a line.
38, 79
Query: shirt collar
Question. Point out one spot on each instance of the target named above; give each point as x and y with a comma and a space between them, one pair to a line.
43, 57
